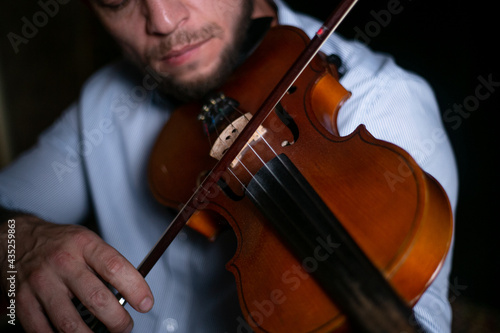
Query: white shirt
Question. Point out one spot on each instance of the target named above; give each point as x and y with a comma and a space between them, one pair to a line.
94, 158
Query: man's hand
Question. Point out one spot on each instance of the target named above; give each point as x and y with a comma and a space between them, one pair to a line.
56, 263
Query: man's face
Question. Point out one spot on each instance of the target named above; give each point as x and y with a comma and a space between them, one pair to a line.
192, 44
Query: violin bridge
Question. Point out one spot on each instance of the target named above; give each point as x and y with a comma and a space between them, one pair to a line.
229, 135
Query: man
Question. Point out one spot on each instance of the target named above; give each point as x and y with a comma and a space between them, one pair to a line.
93, 160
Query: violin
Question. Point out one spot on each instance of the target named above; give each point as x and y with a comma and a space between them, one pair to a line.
325, 244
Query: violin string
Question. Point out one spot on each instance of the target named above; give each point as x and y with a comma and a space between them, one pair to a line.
235, 176
239, 111
244, 166
273, 173
256, 180
267, 143
264, 164
239, 180
258, 156
210, 144
245, 188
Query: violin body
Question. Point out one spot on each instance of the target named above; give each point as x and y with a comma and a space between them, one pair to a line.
397, 214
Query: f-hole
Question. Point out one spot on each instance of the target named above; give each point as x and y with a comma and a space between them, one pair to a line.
286, 119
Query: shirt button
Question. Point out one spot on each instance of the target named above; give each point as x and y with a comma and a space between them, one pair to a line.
170, 325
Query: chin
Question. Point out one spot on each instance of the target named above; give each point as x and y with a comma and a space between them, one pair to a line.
196, 82
190, 90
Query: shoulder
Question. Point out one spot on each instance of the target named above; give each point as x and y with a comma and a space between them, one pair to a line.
363, 67
382, 91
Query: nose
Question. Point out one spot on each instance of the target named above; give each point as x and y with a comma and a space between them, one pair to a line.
164, 16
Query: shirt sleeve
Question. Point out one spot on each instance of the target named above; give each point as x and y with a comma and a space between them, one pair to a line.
49, 179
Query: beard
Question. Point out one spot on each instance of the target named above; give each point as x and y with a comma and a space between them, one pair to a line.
229, 58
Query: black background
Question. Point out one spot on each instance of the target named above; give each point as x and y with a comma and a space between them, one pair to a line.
450, 43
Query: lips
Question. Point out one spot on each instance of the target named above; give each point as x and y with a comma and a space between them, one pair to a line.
179, 56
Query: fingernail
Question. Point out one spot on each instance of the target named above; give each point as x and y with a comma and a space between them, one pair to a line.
146, 304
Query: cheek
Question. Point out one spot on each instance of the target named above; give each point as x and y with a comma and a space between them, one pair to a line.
228, 8
131, 41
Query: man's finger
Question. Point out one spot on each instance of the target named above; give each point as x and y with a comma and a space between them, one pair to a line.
100, 302
54, 297
110, 265
31, 314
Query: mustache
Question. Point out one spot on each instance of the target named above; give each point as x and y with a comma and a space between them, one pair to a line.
182, 38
